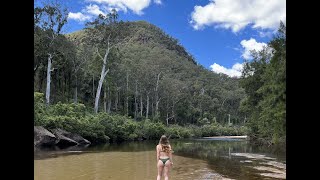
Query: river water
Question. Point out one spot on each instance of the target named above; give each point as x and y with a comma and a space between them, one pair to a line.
194, 159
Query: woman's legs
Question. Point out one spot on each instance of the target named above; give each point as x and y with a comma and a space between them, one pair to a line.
160, 168
167, 168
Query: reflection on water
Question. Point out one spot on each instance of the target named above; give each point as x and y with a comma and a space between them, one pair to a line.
223, 158
193, 159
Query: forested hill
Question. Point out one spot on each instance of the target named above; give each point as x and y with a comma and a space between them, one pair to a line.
150, 76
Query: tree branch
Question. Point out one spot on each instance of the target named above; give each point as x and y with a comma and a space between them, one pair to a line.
99, 54
104, 75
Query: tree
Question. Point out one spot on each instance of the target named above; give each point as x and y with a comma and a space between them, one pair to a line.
50, 19
264, 80
103, 33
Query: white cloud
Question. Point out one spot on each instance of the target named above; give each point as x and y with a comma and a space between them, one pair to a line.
235, 71
93, 10
135, 5
237, 14
105, 6
157, 1
250, 45
78, 16
266, 33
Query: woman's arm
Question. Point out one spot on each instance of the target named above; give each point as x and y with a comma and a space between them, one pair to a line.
170, 154
158, 152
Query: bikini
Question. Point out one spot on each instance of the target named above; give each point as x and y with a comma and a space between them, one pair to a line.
164, 160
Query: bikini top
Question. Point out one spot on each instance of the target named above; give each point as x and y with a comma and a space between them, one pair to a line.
164, 151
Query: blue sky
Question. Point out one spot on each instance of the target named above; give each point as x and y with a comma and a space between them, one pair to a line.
218, 33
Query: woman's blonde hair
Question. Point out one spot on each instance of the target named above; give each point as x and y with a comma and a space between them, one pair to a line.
164, 142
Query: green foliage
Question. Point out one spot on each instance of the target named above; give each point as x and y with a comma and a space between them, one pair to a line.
102, 127
76, 110
176, 131
216, 129
39, 108
264, 80
118, 128
151, 130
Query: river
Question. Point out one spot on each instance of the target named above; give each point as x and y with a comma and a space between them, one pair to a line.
194, 159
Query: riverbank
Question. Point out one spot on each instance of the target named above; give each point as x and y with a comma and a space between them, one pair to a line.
226, 137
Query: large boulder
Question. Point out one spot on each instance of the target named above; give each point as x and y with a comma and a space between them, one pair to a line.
64, 141
43, 137
71, 136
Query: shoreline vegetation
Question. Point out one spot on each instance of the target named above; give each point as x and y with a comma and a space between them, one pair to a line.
227, 137
103, 127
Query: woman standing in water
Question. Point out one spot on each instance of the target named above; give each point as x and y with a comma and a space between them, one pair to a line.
164, 157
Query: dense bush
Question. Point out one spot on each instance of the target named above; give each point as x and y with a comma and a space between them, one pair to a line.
102, 127
151, 130
176, 131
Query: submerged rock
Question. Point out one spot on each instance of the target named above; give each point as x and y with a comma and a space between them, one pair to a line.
43, 137
63, 140
56, 139
70, 138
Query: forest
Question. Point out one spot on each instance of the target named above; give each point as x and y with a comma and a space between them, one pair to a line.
118, 81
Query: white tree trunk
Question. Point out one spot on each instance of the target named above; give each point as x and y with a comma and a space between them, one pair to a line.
152, 107
172, 111
157, 100
105, 99
147, 111
135, 102
141, 105
48, 79
104, 72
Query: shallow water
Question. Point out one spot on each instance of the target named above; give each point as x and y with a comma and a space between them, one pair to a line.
193, 159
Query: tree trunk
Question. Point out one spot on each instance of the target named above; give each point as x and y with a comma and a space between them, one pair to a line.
141, 105
105, 99
147, 111
104, 72
135, 102
48, 79
172, 112
157, 100
152, 108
